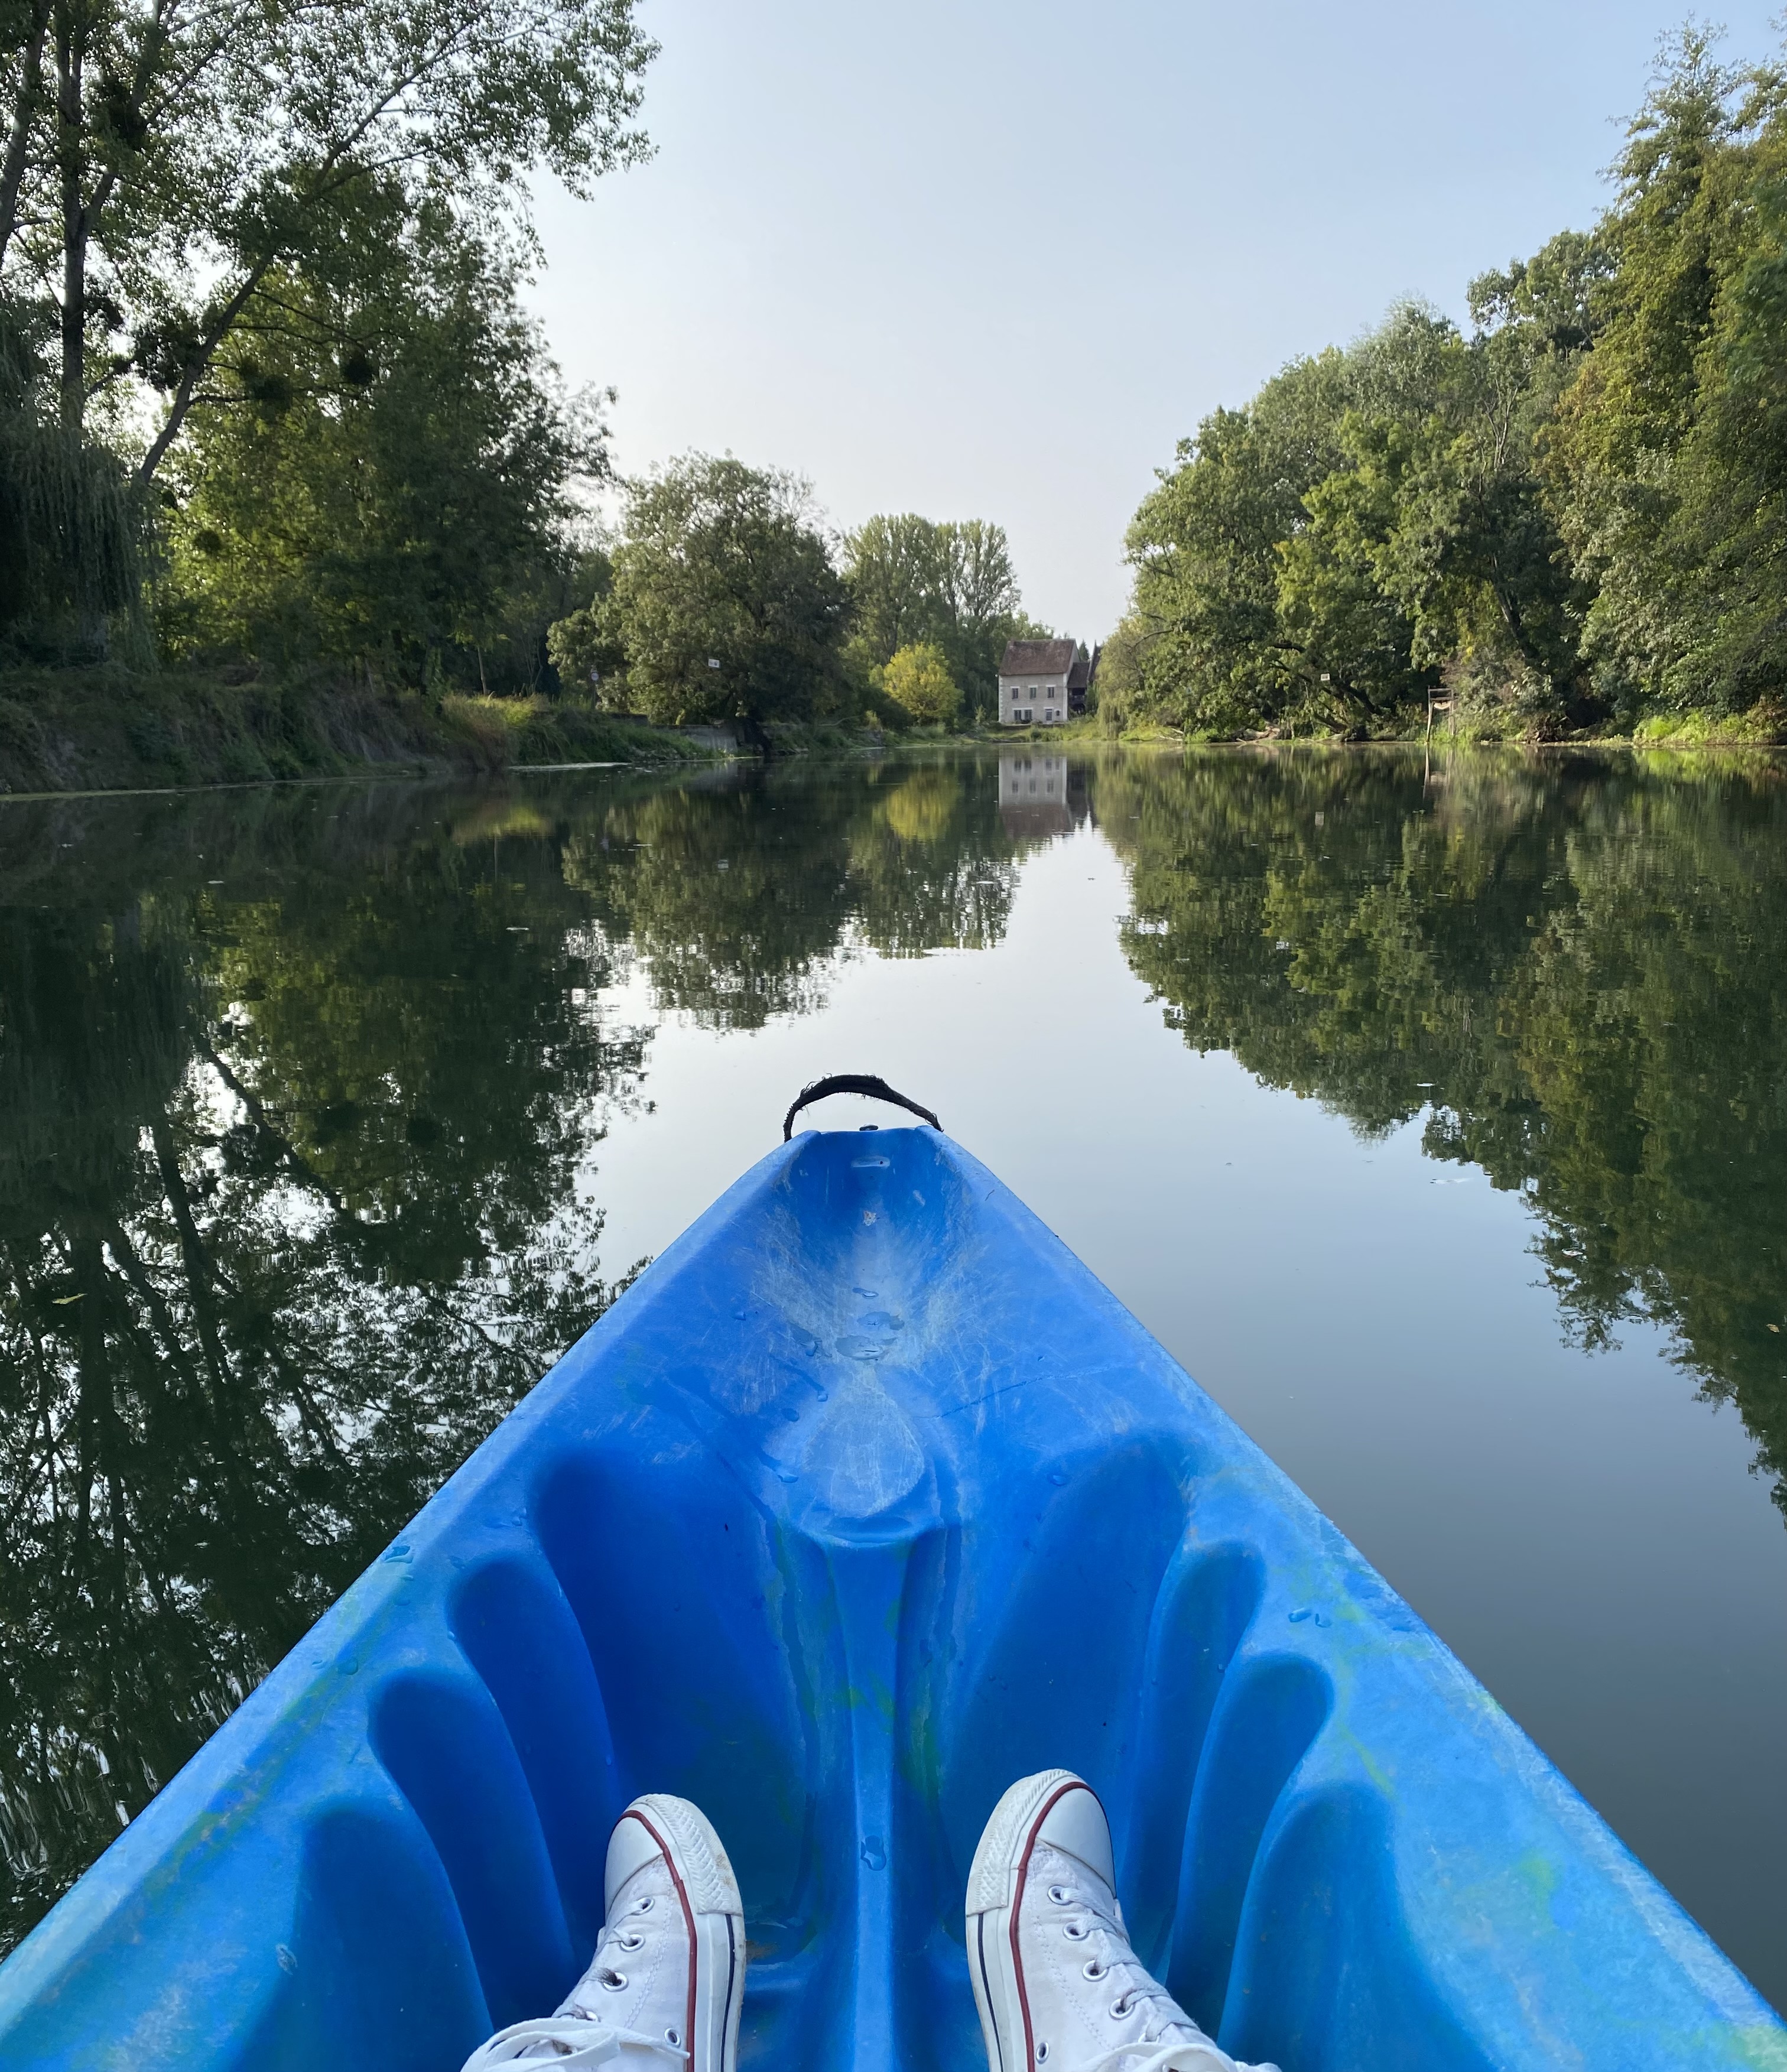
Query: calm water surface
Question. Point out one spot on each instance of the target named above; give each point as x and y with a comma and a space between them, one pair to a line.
1437, 1118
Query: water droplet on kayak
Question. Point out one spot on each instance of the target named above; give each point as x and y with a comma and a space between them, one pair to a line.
883, 1320
872, 1853
1309, 1612
867, 1293
287, 1961
791, 1413
808, 1343
825, 1395
787, 1475
400, 1552
1057, 1478
856, 1347
350, 1667
863, 1164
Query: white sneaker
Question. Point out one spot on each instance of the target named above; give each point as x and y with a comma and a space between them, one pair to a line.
664, 1992
1057, 1986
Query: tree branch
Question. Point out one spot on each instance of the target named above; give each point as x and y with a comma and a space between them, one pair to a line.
196, 372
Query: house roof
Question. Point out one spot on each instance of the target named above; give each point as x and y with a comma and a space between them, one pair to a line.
1037, 658
1081, 674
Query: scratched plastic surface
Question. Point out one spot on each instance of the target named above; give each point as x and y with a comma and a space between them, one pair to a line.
867, 1499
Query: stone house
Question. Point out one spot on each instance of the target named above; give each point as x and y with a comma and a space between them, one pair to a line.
1033, 683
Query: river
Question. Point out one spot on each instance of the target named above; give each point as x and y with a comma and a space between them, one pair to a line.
1433, 1112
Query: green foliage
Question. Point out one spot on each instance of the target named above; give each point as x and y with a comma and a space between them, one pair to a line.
203, 211
1575, 513
582, 652
724, 601
72, 534
948, 585
382, 481
1667, 460
917, 679
209, 151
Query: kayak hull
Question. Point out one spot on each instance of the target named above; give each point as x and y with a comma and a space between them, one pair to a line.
866, 1499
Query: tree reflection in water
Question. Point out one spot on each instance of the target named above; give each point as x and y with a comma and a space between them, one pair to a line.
294, 1093
1575, 967
296, 1087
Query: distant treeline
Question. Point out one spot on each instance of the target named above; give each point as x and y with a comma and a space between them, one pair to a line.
268, 395
724, 598
1573, 516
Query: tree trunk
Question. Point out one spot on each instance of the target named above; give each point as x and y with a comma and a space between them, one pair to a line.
30, 85
74, 229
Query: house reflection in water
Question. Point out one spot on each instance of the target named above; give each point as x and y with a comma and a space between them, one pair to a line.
1041, 796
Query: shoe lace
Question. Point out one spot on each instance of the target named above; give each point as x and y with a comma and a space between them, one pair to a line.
618, 1941
573, 2041
578, 2036
1177, 2043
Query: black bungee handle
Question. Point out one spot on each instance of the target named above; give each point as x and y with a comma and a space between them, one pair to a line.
852, 1082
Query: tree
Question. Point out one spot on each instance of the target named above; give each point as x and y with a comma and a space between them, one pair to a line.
582, 652
165, 160
724, 600
1204, 548
913, 581
918, 681
71, 526
401, 499
1373, 520
1665, 462
894, 568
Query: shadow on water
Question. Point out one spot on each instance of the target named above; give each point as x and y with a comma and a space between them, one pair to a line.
296, 1086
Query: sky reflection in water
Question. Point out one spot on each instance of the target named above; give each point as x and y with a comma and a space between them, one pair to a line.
314, 1104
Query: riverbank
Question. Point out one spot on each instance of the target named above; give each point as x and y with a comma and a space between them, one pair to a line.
110, 729
1765, 726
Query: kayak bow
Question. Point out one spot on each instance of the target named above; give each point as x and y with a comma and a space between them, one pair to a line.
864, 1500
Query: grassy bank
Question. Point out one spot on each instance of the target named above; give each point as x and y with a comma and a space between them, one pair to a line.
111, 728
1765, 726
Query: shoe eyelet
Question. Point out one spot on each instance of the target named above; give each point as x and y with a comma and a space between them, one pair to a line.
1058, 1894
1076, 1931
612, 1982
630, 1941
1120, 2009
1042, 2054
671, 2037
1093, 1969
642, 1906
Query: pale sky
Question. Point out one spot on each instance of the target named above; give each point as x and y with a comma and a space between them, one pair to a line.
992, 258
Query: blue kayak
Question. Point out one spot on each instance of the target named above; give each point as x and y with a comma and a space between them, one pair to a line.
865, 1500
